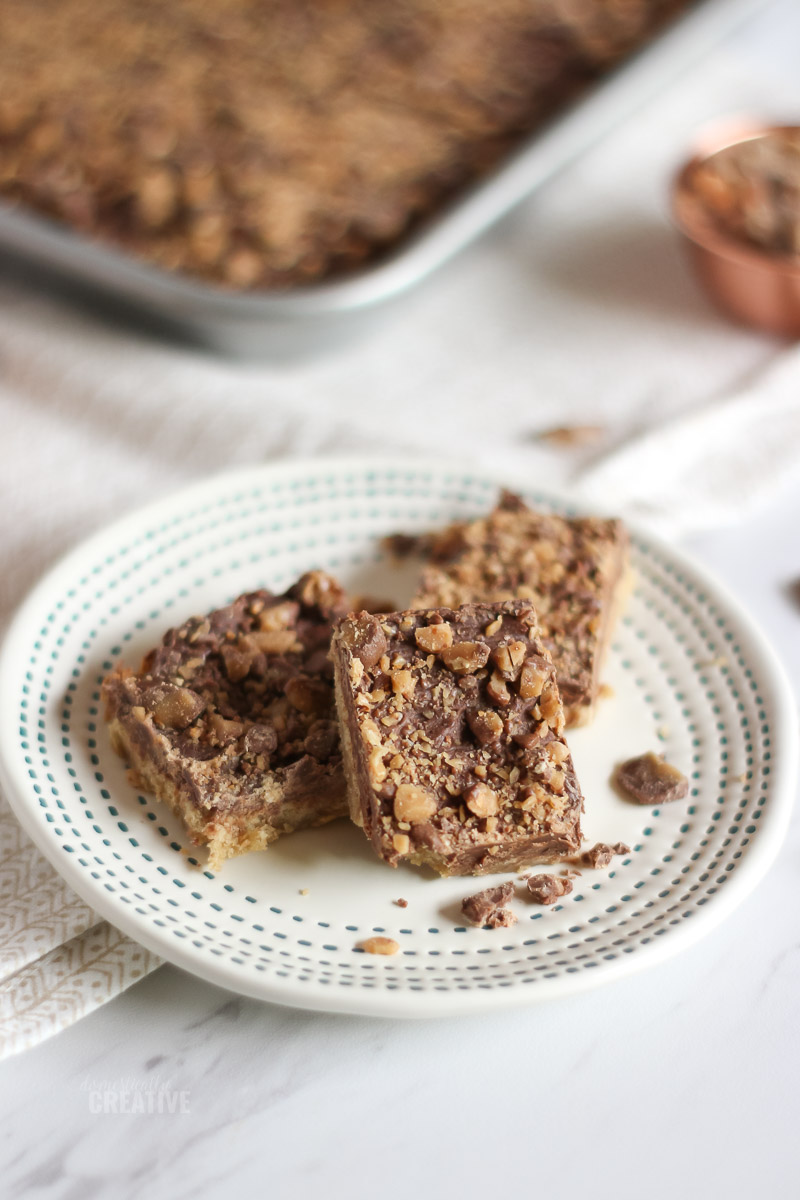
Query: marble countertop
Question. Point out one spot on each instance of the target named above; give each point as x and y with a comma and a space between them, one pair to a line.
678, 1081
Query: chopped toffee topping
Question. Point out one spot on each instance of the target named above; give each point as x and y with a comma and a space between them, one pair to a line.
751, 190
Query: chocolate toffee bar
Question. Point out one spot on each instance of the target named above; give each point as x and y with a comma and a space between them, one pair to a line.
231, 720
575, 571
452, 729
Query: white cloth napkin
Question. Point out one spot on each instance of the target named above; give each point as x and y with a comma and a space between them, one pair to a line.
579, 310
713, 467
58, 959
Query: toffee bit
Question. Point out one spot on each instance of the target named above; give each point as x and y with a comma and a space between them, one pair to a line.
546, 889
489, 907
403, 545
259, 718
719, 661
648, 779
602, 853
793, 592
566, 436
378, 945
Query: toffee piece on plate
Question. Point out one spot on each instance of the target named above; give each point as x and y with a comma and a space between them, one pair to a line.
648, 779
490, 907
601, 854
574, 570
547, 889
452, 736
231, 720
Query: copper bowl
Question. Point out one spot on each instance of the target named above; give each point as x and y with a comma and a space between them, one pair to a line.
756, 287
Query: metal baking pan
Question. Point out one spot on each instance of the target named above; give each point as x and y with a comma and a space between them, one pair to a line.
312, 318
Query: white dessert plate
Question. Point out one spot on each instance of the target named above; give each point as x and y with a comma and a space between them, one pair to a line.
691, 676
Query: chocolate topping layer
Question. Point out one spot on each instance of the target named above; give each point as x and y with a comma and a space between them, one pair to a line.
452, 737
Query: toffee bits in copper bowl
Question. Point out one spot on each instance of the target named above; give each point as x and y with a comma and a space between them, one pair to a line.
737, 202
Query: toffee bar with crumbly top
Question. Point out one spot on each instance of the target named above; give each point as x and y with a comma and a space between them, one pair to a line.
231, 720
451, 728
575, 570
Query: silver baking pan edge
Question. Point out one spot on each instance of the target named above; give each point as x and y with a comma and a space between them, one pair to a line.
313, 318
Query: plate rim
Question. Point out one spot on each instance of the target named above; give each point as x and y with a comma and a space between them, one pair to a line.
219, 972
